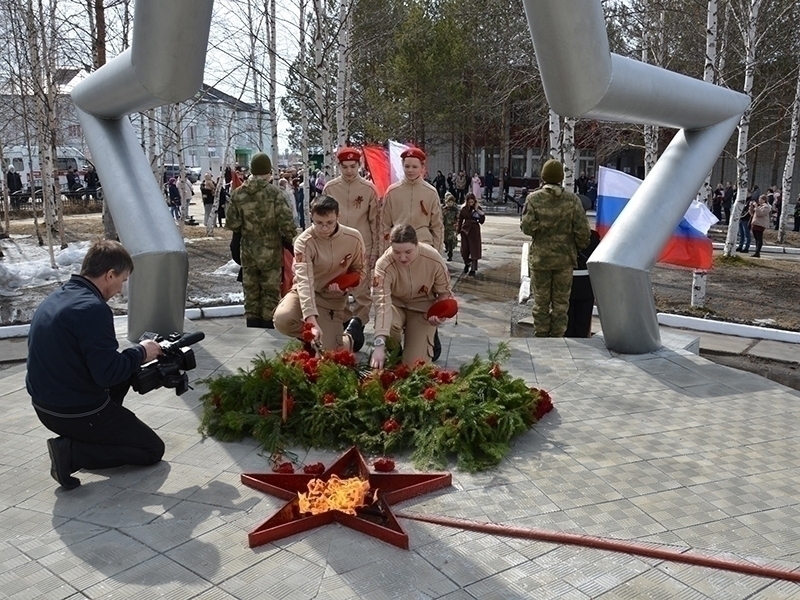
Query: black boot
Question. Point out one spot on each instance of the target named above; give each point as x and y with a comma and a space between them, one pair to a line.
260, 323
466, 268
355, 329
60, 450
437, 346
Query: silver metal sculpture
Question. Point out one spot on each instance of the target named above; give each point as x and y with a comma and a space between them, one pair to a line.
164, 65
582, 78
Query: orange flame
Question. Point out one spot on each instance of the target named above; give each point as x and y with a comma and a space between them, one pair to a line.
335, 494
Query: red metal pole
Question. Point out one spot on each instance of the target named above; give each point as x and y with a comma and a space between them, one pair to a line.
590, 541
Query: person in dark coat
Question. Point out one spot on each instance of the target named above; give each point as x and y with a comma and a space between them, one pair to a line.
488, 184
581, 297
440, 183
14, 182
470, 220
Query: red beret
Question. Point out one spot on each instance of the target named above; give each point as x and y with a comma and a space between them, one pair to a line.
413, 153
345, 281
445, 309
347, 153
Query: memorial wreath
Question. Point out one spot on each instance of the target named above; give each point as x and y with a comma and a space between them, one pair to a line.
330, 401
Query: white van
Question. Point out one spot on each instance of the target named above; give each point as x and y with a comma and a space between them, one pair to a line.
22, 157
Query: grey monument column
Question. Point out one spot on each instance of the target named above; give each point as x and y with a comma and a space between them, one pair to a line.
583, 79
163, 65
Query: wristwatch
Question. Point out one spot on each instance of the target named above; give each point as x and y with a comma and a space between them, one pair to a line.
379, 341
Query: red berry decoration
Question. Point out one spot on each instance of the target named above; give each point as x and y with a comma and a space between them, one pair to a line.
383, 465
315, 469
391, 397
387, 378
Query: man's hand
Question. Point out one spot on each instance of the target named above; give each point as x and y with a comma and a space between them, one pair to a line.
335, 289
436, 321
378, 357
152, 350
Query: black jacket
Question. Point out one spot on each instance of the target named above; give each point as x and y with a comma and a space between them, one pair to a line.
73, 355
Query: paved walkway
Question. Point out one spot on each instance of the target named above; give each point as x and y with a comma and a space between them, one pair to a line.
665, 448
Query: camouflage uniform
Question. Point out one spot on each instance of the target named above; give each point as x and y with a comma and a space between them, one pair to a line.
450, 218
556, 222
258, 210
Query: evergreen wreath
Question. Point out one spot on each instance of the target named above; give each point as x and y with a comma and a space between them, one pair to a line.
330, 401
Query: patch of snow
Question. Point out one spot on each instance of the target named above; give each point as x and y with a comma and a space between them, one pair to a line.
230, 268
227, 298
27, 265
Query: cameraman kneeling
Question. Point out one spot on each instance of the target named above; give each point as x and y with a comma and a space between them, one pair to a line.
76, 377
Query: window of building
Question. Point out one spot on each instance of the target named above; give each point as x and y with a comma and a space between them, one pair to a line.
74, 131
18, 164
518, 163
62, 164
586, 162
190, 132
212, 152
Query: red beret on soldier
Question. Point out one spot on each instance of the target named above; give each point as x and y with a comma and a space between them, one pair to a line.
347, 153
413, 153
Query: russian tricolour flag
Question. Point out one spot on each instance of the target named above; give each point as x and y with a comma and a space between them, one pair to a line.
385, 167
689, 245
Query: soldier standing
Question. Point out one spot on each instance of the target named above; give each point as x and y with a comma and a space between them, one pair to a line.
258, 215
359, 209
323, 252
450, 219
556, 222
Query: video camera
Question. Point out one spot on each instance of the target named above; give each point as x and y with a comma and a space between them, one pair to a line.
169, 369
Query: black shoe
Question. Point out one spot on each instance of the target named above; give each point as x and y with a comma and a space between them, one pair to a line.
355, 330
466, 269
740, 250
61, 461
437, 346
756, 255
472, 273
267, 324
449, 256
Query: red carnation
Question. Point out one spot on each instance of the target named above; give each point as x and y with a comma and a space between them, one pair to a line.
307, 335
429, 394
310, 369
418, 364
496, 371
315, 469
402, 371
387, 378
390, 426
445, 376
544, 406
284, 467
289, 404
343, 357
391, 397
383, 465
328, 399
263, 411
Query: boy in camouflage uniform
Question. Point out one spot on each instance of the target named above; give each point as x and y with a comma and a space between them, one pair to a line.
257, 212
450, 218
556, 222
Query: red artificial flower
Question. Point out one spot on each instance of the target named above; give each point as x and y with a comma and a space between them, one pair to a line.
263, 411
544, 406
496, 371
387, 379
445, 376
307, 335
391, 397
390, 426
315, 469
429, 394
383, 465
328, 399
310, 368
418, 364
402, 371
342, 357
283, 467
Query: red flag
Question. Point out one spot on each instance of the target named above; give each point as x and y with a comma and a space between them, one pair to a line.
377, 161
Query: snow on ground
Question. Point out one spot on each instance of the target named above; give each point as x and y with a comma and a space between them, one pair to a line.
27, 265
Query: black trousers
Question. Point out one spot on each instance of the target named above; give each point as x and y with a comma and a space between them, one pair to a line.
111, 437
581, 305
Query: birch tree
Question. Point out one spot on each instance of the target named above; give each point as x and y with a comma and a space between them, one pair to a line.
569, 152
272, 51
343, 72
788, 168
555, 136
322, 111
748, 28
